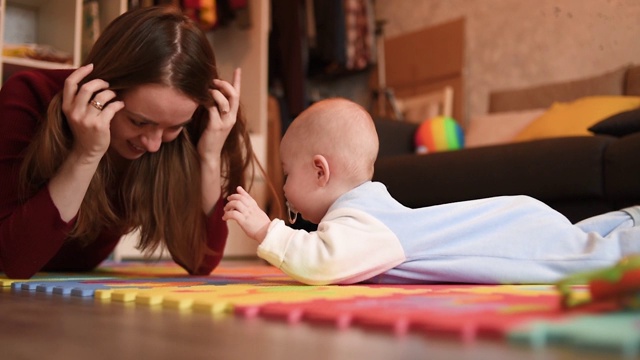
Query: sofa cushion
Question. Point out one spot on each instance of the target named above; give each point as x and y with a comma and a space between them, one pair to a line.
632, 81
622, 175
498, 128
555, 169
396, 137
575, 118
620, 124
543, 96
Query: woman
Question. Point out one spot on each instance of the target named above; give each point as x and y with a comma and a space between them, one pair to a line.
144, 136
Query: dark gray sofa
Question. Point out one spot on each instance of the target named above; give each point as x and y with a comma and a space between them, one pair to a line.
579, 176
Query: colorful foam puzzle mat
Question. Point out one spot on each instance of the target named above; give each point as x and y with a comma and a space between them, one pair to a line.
527, 315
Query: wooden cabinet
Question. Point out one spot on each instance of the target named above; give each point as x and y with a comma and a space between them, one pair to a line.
57, 24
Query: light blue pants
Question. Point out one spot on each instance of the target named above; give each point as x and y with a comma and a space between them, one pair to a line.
604, 224
623, 224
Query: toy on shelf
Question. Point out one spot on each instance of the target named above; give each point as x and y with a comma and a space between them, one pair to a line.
620, 283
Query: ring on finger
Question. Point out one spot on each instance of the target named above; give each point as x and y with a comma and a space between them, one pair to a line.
96, 104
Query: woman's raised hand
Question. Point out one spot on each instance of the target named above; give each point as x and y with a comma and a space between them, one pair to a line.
88, 116
222, 117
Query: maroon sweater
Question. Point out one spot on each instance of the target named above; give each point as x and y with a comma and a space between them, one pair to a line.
33, 237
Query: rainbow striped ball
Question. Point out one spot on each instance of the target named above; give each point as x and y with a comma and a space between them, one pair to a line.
439, 133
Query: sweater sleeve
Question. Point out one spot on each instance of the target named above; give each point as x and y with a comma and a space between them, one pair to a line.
349, 246
217, 232
31, 230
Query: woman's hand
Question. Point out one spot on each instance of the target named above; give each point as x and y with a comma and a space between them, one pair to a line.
245, 211
87, 115
222, 117
91, 138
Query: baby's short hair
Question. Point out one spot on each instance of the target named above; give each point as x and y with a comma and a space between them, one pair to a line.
340, 129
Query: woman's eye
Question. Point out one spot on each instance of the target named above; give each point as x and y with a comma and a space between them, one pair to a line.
137, 123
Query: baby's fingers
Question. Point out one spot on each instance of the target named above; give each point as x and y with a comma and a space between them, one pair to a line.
242, 191
242, 196
240, 201
232, 204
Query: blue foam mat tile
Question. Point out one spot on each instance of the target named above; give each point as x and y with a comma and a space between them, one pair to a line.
618, 332
26, 286
84, 291
50, 286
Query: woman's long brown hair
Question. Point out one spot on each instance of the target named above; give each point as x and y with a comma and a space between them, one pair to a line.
161, 192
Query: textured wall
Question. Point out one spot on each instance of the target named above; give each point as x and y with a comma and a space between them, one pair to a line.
516, 43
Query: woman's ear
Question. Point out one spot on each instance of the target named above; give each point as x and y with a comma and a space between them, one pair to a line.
321, 168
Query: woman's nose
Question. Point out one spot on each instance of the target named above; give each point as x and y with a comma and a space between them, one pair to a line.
152, 140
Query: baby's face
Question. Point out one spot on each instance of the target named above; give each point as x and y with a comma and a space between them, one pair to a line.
300, 184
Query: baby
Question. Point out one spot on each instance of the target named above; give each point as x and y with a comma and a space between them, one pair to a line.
364, 235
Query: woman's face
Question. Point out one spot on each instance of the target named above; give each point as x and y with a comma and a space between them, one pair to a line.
153, 114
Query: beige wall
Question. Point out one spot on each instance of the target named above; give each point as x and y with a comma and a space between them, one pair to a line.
515, 43
248, 50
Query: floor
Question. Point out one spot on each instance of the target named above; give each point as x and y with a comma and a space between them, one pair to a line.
36, 325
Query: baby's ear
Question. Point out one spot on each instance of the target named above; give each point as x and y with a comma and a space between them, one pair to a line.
321, 168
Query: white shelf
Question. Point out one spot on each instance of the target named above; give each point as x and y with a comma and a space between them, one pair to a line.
31, 63
56, 23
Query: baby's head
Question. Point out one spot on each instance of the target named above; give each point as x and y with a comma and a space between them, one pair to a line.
330, 148
340, 130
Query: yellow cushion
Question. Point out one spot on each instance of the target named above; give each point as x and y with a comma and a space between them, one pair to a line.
574, 118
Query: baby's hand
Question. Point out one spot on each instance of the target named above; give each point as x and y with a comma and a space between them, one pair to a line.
245, 211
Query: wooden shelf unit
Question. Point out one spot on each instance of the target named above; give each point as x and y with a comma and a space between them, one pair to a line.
58, 24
